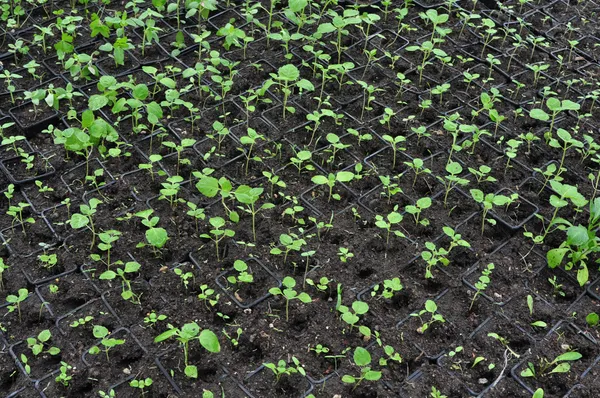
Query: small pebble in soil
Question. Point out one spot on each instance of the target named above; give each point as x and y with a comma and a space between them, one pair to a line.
483, 381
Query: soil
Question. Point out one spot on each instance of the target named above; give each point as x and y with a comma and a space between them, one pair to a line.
341, 254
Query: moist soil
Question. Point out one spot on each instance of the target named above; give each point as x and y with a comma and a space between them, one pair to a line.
528, 312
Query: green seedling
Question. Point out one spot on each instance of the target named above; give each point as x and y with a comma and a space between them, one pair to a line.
488, 201
39, 343
187, 334
452, 180
155, 236
242, 274
218, 232
560, 364
16, 300
289, 294
482, 284
330, 181
362, 359
85, 218
107, 239
434, 317
282, 368
108, 343
416, 209
130, 268
556, 106
388, 288
388, 222
249, 196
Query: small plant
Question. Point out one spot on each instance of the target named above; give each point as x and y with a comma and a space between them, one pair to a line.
155, 236
108, 343
141, 384
289, 294
218, 232
362, 359
85, 218
38, 344
187, 334
131, 267
482, 284
3, 268
330, 181
282, 368
416, 209
560, 364
488, 201
243, 276
388, 222
64, 376
431, 311
16, 300
388, 288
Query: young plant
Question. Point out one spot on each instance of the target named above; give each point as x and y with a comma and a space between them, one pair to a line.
155, 236
15, 301
218, 232
187, 334
388, 222
416, 209
282, 368
452, 180
431, 311
130, 268
488, 201
85, 218
289, 294
560, 364
287, 78
331, 179
249, 196
107, 342
362, 359
482, 284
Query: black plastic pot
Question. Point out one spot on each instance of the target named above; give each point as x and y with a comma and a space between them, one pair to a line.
31, 127
12, 165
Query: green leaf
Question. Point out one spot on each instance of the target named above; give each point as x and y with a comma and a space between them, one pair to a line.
561, 368
555, 256
107, 275
319, 180
78, 221
208, 340
361, 357
97, 102
539, 114
348, 379
568, 356
430, 306
344, 176
577, 235
208, 186
288, 73
373, 375
191, 371
539, 393
157, 237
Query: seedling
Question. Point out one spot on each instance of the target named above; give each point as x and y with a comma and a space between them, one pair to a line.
560, 364
289, 294
282, 368
155, 236
107, 238
580, 245
218, 233
288, 77
396, 143
416, 209
388, 222
388, 288
64, 375
108, 343
418, 168
352, 315
249, 196
504, 342
39, 343
434, 317
141, 384
3, 268
16, 212
131, 267
362, 359
85, 218
482, 284
331, 179
488, 201
16, 300
555, 106
187, 334
243, 276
